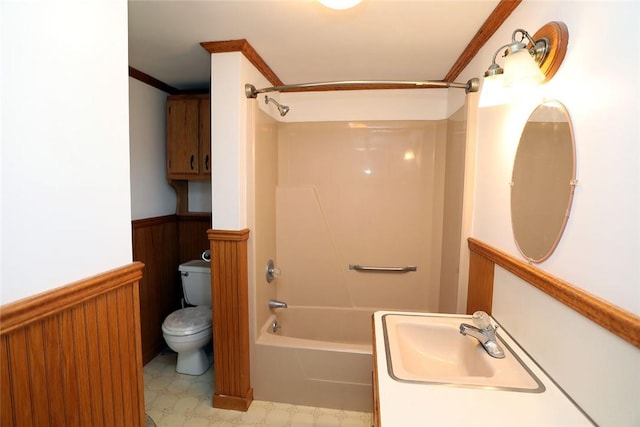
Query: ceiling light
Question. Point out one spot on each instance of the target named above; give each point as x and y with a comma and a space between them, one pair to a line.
340, 4
526, 65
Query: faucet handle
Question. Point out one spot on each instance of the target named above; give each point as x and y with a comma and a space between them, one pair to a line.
272, 272
481, 320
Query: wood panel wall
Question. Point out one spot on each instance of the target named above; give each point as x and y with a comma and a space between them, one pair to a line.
162, 244
480, 287
624, 324
192, 231
155, 243
230, 287
72, 356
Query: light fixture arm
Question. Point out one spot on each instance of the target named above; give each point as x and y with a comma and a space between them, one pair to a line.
539, 48
495, 55
494, 69
524, 33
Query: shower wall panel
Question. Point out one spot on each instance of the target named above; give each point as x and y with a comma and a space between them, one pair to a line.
368, 193
452, 223
262, 243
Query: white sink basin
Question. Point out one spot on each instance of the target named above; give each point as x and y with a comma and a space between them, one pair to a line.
430, 349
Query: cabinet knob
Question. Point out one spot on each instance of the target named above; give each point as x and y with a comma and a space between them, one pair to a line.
192, 159
206, 162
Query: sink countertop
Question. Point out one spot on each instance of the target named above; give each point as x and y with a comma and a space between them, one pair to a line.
405, 404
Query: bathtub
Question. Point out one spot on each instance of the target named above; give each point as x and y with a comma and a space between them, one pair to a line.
320, 356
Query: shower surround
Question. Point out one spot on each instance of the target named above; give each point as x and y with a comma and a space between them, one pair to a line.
368, 193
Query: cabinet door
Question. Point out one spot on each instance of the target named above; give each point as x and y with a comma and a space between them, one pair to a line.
205, 137
182, 137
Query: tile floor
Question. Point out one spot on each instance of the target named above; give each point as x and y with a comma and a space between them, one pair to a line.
176, 400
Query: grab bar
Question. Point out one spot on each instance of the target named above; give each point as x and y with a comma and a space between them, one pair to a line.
404, 269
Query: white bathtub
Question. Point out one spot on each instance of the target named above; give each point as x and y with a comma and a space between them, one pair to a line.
320, 356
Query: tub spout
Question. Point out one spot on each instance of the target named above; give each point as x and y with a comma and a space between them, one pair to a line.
277, 304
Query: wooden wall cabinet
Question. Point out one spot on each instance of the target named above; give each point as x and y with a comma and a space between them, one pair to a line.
189, 137
188, 144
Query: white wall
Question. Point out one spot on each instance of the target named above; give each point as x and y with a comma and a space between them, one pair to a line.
151, 195
66, 211
600, 249
231, 138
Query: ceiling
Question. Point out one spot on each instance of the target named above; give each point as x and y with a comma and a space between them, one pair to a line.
302, 41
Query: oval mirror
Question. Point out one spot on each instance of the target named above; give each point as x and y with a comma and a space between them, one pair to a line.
543, 181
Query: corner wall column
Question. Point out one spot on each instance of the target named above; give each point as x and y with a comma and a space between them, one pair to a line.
229, 292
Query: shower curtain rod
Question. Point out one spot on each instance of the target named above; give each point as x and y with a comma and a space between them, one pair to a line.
470, 86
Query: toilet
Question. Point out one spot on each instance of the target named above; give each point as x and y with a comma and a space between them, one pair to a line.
189, 329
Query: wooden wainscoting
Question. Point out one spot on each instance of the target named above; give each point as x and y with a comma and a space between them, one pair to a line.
72, 356
480, 288
192, 229
162, 244
624, 324
229, 277
155, 243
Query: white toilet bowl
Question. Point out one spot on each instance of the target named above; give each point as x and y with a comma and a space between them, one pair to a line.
186, 332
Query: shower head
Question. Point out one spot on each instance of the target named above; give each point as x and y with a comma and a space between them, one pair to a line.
282, 108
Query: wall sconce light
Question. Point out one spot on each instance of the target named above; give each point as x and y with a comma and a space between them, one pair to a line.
529, 62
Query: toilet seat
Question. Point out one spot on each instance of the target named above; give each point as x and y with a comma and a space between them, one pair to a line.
187, 321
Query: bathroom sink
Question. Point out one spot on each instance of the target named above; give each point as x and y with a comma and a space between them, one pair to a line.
430, 349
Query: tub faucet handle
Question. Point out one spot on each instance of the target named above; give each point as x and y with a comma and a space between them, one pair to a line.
271, 271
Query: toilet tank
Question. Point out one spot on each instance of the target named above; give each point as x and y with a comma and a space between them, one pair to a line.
196, 282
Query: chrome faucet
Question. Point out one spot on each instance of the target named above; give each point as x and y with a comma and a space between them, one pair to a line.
277, 304
484, 332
